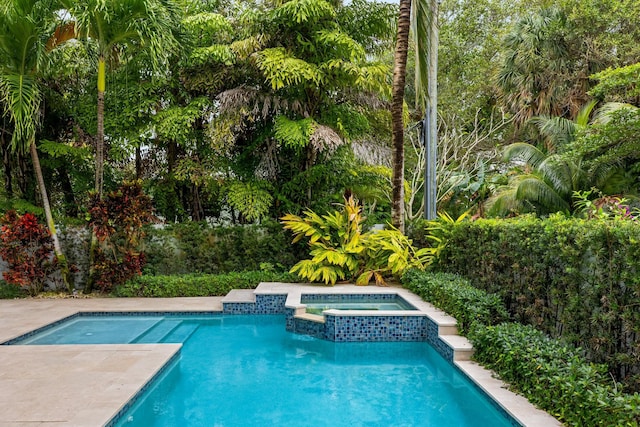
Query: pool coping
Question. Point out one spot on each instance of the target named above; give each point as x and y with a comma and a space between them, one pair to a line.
38, 313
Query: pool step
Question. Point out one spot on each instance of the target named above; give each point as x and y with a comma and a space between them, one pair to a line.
462, 348
240, 296
157, 332
181, 333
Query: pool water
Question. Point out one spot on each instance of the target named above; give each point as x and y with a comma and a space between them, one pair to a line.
248, 371
319, 307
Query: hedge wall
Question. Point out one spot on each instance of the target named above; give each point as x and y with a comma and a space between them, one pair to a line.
575, 279
196, 247
548, 372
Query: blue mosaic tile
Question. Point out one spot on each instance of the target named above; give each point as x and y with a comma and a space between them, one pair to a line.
264, 304
329, 298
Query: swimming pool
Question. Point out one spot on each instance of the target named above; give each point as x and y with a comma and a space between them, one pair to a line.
247, 370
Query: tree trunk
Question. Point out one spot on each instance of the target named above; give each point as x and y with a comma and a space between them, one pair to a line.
70, 203
397, 123
62, 260
99, 177
99, 182
138, 163
6, 167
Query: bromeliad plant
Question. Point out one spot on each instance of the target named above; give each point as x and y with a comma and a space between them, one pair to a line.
340, 250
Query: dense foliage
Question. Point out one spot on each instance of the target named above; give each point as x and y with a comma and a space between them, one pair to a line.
341, 250
554, 376
27, 248
118, 221
551, 374
458, 298
575, 279
196, 247
196, 285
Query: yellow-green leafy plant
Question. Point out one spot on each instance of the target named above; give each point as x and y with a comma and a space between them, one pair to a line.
335, 240
340, 250
439, 230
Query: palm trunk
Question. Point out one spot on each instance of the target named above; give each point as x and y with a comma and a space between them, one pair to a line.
397, 123
99, 177
57, 249
6, 167
100, 136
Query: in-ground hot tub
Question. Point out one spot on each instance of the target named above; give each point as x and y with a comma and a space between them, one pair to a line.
348, 317
318, 303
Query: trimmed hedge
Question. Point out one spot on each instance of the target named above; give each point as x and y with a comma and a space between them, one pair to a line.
546, 371
10, 291
197, 285
457, 297
196, 247
554, 376
571, 278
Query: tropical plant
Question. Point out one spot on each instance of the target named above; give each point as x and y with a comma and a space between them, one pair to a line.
389, 253
340, 250
439, 230
117, 28
545, 185
117, 222
306, 88
542, 73
25, 30
335, 242
26, 246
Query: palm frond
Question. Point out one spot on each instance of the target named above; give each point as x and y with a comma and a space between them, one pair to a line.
524, 152
533, 188
605, 113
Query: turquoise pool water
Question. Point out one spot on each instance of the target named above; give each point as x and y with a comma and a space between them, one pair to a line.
248, 371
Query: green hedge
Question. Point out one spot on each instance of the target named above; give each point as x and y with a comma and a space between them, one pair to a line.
10, 291
575, 279
457, 297
197, 285
554, 376
196, 247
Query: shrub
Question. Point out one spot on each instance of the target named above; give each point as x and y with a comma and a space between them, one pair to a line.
554, 376
340, 250
26, 246
196, 247
457, 297
571, 278
117, 221
10, 291
196, 285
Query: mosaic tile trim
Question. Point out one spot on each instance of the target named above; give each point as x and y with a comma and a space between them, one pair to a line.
264, 304
172, 363
309, 327
378, 328
311, 298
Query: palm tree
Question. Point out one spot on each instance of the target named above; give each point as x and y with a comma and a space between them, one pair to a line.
424, 22
550, 177
25, 28
542, 73
546, 186
114, 26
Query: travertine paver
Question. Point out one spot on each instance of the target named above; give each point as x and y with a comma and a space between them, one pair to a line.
77, 385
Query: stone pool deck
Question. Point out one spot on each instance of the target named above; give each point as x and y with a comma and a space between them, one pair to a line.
77, 385
85, 385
